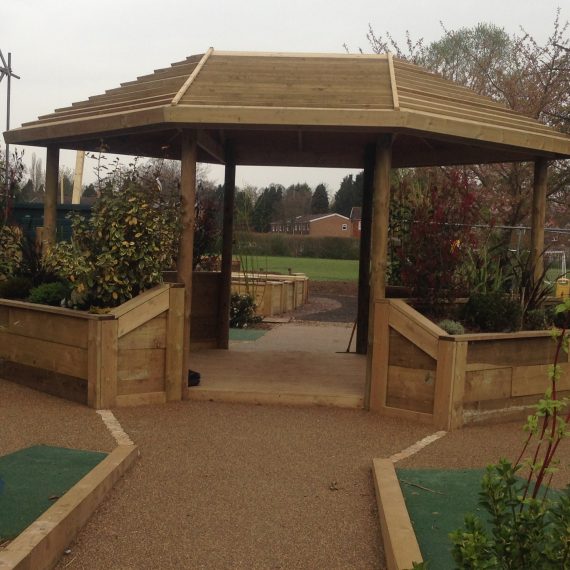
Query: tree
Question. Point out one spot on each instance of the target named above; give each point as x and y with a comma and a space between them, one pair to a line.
349, 195
296, 202
37, 174
320, 200
266, 206
243, 211
528, 77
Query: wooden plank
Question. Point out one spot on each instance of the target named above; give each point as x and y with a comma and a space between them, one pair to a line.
94, 364
395, 99
410, 389
418, 335
400, 544
142, 314
40, 546
174, 377
84, 315
69, 360
151, 334
47, 381
490, 384
377, 357
187, 84
406, 354
533, 380
141, 399
443, 396
141, 364
109, 357
458, 385
139, 300
46, 326
511, 352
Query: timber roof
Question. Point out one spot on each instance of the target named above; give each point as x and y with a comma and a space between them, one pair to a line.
297, 109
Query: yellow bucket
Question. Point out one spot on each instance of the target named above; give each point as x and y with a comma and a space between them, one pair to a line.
563, 287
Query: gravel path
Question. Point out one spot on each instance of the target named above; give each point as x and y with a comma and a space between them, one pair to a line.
229, 486
28, 417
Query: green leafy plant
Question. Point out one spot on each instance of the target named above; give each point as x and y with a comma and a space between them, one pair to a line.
529, 525
242, 311
451, 327
492, 312
50, 293
15, 288
123, 248
531, 290
10, 250
484, 271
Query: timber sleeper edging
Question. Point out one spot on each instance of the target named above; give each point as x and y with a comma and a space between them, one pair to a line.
40, 546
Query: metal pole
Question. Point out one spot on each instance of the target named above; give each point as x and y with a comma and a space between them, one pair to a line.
8, 128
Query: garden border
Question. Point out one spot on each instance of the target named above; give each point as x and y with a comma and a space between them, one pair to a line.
41, 545
401, 547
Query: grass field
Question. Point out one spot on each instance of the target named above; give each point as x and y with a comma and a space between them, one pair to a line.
315, 269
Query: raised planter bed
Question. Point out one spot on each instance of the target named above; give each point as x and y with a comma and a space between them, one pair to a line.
131, 355
421, 372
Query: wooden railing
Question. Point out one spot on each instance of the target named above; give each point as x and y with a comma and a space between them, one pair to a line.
418, 371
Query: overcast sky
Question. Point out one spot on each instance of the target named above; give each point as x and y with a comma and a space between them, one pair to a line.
67, 50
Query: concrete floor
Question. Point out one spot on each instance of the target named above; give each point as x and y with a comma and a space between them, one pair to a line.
291, 364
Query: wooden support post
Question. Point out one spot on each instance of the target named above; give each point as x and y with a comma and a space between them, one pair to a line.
175, 375
379, 245
364, 264
78, 178
186, 251
538, 216
227, 238
50, 198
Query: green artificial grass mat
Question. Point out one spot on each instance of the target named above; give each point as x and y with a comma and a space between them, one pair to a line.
435, 514
32, 479
246, 334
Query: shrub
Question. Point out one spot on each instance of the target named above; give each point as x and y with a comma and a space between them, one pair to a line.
436, 237
242, 311
538, 319
15, 288
50, 293
10, 250
451, 327
529, 528
123, 248
492, 312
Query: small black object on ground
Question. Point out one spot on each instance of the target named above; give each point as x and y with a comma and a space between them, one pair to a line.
193, 378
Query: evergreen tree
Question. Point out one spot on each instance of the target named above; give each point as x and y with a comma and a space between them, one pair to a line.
320, 200
348, 195
266, 206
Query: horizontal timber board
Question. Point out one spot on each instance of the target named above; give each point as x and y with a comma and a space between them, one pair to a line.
511, 352
529, 380
141, 364
47, 381
69, 360
489, 384
60, 329
141, 399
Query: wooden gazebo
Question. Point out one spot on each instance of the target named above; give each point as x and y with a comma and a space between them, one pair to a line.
279, 109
